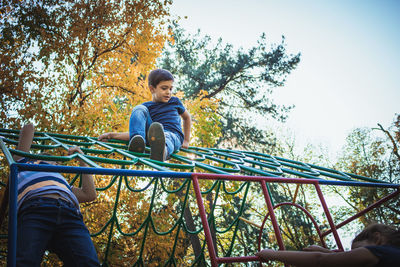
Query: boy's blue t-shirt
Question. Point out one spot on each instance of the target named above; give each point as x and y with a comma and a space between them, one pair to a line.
389, 256
168, 114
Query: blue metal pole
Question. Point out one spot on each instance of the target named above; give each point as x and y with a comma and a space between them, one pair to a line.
354, 183
104, 171
12, 216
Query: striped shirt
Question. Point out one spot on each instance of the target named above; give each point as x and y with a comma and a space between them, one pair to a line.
35, 184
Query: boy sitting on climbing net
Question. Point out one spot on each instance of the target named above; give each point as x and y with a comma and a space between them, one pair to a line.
157, 122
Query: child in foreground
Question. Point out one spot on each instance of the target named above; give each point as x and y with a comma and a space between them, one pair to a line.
49, 217
377, 245
157, 122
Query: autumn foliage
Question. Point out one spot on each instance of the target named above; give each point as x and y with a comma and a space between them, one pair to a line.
79, 67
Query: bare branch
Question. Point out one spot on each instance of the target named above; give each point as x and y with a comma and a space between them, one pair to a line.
395, 149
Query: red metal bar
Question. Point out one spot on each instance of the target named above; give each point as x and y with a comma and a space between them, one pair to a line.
370, 207
328, 216
206, 227
213, 176
213, 257
273, 218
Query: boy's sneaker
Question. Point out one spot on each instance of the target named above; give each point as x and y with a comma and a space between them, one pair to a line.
157, 141
136, 144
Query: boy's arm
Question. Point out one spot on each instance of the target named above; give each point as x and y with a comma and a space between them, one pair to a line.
25, 139
114, 135
24, 144
354, 258
187, 126
87, 192
316, 248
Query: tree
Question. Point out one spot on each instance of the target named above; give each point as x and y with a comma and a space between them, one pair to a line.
206, 129
61, 61
393, 143
373, 156
78, 67
241, 80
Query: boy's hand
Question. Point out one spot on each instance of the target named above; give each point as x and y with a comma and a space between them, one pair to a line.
104, 137
76, 149
185, 144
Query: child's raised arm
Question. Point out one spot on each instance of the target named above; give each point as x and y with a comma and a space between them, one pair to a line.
187, 126
316, 248
87, 192
361, 257
25, 139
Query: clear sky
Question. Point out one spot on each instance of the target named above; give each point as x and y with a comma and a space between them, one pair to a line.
349, 72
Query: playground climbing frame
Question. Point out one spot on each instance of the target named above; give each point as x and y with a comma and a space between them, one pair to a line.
201, 170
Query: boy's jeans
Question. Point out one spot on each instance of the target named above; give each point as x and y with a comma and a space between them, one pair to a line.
55, 225
140, 122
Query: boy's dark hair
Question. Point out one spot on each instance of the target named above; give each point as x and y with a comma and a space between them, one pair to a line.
159, 75
391, 234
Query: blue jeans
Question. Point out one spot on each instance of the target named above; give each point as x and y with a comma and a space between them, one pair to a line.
55, 225
139, 124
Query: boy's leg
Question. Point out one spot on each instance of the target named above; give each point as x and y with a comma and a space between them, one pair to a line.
157, 141
72, 242
36, 223
139, 123
172, 142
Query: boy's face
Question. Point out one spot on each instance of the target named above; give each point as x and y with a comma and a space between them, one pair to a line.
162, 92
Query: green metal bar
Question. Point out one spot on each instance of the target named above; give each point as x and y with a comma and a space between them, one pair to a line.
7, 153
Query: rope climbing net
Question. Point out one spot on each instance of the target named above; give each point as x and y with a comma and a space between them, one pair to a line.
204, 206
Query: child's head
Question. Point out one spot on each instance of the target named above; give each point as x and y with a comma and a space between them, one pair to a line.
159, 75
377, 234
160, 84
